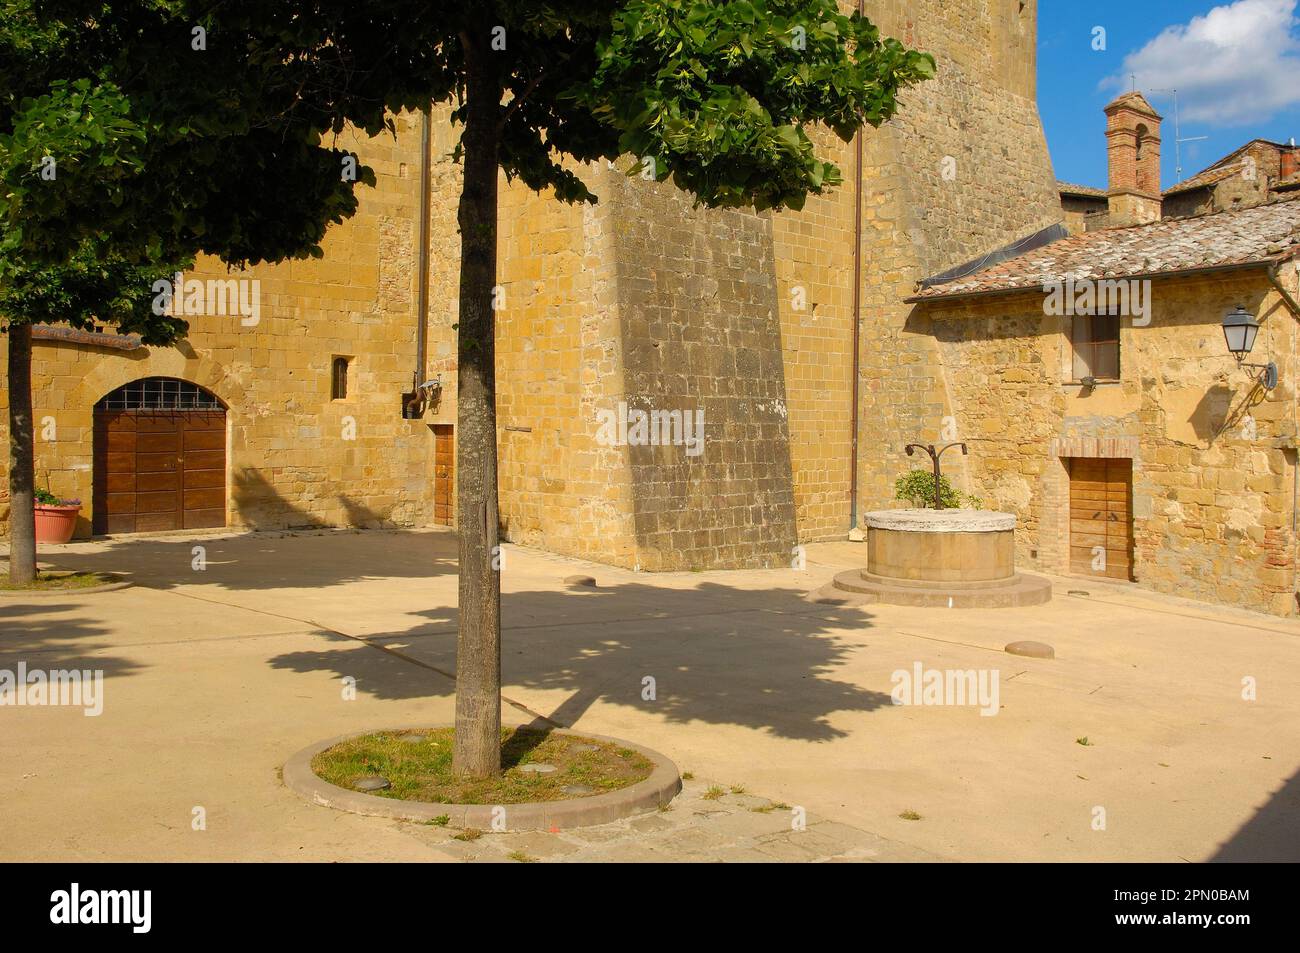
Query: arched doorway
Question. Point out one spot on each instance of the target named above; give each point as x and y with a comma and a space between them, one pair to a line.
160, 458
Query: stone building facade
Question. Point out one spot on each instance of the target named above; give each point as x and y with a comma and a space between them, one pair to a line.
749, 318
1200, 454
643, 304
1253, 174
293, 456
641, 301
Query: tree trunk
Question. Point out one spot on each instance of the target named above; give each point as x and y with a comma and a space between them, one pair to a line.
477, 748
22, 466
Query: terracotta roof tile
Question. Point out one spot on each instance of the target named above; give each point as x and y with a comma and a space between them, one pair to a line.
1069, 188
1237, 237
1202, 179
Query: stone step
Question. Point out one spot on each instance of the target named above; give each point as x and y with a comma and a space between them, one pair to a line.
1024, 589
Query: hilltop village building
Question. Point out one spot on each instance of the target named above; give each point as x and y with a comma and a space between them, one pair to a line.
336, 406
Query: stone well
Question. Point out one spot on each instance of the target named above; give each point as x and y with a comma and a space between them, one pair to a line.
949, 558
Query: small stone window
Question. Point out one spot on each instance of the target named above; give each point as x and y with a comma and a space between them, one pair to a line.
339, 379
1095, 340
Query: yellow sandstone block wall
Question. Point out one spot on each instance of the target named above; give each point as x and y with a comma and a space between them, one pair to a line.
961, 171
814, 272
559, 359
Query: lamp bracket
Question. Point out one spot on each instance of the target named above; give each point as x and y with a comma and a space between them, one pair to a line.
1268, 373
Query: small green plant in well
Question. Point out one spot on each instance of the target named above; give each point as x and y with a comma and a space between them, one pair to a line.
917, 488
468, 834
442, 820
1083, 741
910, 815
520, 857
714, 793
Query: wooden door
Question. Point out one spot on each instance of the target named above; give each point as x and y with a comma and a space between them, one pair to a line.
158, 470
444, 474
1101, 517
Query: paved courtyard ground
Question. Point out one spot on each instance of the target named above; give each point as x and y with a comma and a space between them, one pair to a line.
215, 677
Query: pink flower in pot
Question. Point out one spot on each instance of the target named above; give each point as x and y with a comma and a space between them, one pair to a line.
56, 518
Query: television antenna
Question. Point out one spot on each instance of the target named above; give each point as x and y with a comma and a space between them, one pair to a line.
1178, 136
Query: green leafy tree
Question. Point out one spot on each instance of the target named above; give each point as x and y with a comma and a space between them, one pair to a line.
127, 146
95, 287
227, 156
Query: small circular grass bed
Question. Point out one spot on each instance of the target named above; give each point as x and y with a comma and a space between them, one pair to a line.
56, 580
417, 765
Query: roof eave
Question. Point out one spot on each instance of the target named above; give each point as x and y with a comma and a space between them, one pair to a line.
1037, 289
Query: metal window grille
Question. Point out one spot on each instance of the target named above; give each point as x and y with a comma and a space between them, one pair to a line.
339, 379
159, 393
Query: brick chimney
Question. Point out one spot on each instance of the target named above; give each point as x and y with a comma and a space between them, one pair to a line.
1133, 150
1290, 162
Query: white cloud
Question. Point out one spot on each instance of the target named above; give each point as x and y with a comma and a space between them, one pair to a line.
1236, 65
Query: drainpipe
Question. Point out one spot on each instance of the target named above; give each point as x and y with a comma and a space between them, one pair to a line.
422, 293
1273, 272
857, 319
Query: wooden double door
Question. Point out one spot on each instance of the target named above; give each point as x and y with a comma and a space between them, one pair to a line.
1101, 517
159, 470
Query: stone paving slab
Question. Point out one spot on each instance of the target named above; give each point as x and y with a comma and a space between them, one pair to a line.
734, 828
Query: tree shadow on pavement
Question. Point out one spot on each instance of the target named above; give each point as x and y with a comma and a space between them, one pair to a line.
38, 633
763, 659
1272, 835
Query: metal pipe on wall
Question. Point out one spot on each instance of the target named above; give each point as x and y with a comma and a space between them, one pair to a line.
422, 288
857, 321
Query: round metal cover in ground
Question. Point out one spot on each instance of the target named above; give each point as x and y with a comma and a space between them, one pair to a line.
663, 784
1032, 649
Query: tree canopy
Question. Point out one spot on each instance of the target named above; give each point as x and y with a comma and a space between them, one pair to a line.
186, 126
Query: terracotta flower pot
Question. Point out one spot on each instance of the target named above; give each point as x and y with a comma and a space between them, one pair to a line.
55, 524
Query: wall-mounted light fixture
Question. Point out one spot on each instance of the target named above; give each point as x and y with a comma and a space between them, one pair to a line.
415, 401
1239, 330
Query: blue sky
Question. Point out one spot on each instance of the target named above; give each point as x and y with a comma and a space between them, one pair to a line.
1235, 63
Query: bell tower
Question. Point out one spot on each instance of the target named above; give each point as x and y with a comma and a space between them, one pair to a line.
1133, 151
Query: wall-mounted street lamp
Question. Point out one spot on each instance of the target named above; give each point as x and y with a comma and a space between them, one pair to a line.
1240, 330
934, 458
